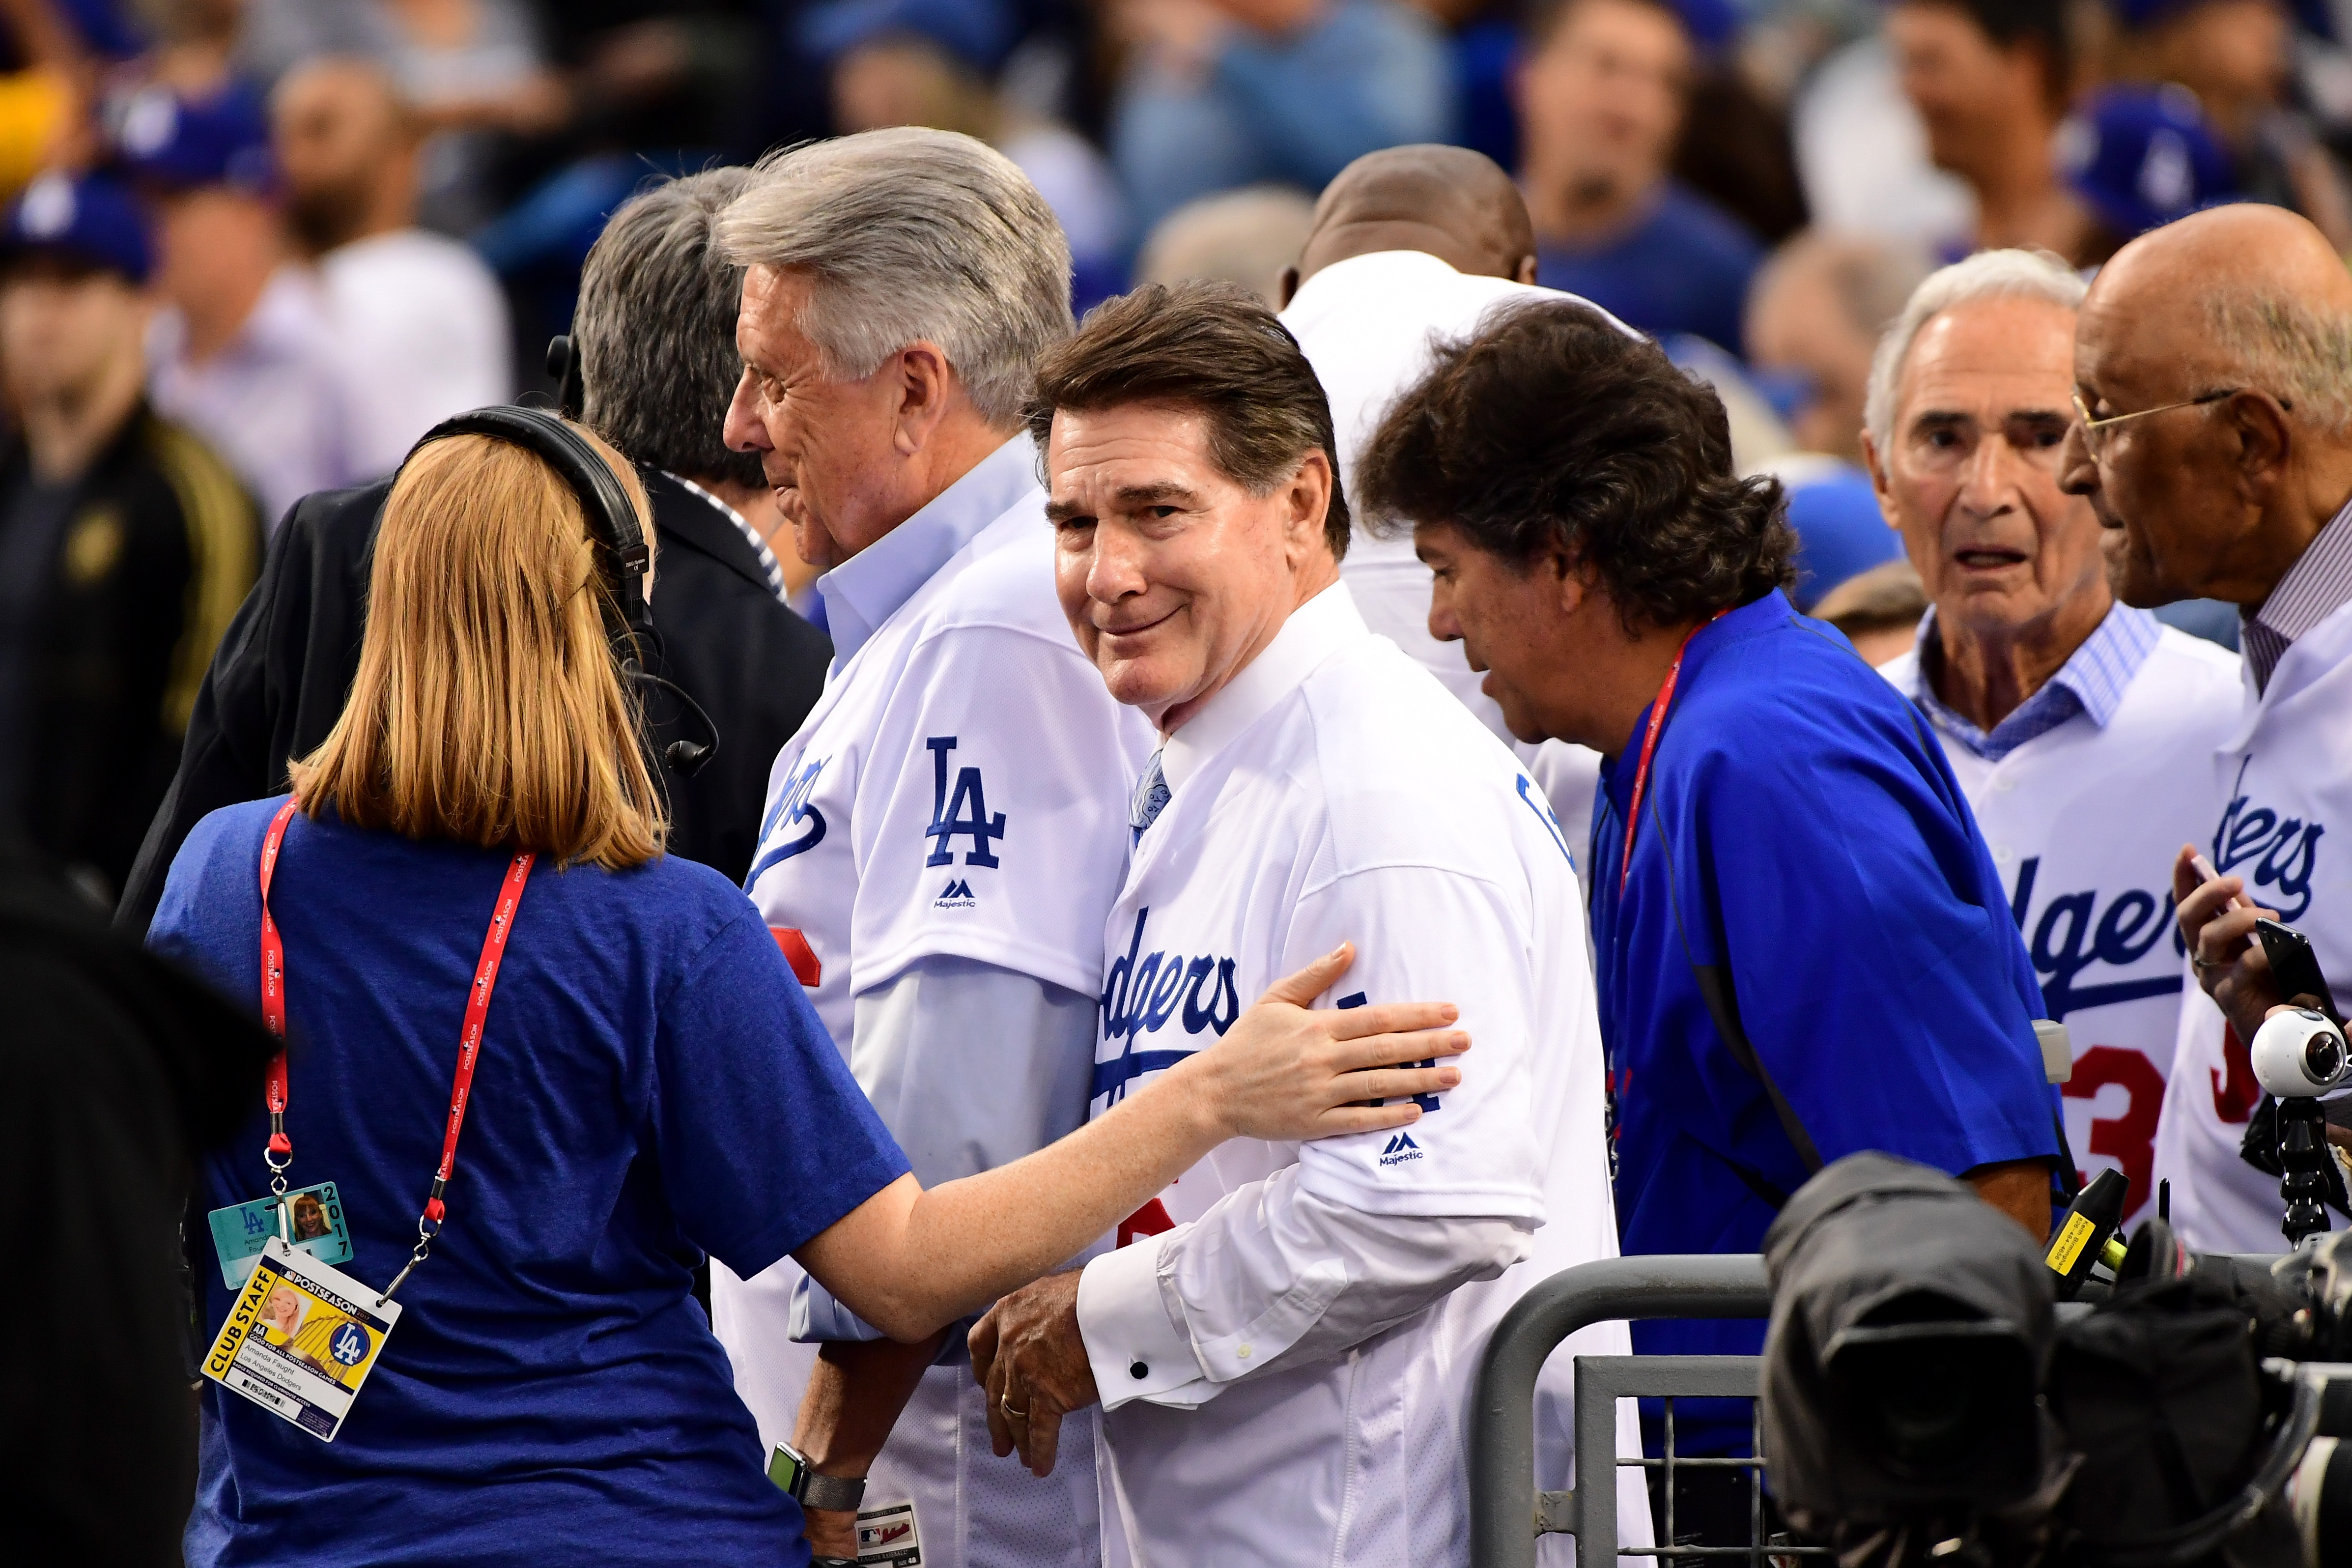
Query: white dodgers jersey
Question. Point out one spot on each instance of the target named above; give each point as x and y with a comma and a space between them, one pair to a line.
2283, 784
1365, 804
2084, 822
959, 790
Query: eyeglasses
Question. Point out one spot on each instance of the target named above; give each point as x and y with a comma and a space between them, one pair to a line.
2093, 428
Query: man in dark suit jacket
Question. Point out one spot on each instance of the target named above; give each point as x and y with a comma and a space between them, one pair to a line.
655, 335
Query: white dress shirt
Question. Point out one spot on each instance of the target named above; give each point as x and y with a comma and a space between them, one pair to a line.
419, 327
272, 402
1285, 1347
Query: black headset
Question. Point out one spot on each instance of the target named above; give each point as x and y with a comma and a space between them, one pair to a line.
613, 527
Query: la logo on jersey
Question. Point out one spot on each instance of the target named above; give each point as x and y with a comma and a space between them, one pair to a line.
958, 895
964, 814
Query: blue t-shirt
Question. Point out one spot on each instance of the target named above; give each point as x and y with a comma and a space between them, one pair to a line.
1683, 266
1807, 835
652, 1085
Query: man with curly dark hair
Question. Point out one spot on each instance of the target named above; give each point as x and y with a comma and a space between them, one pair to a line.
1801, 947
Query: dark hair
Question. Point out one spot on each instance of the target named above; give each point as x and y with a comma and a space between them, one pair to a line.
1553, 428
656, 328
2009, 23
1540, 19
1205, 345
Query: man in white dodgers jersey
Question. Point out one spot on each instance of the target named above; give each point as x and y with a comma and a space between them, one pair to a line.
1412, 245
1286, 1344
2078, 727
2210, 356
945, 833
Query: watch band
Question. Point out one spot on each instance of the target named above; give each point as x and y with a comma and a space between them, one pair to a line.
841, 1493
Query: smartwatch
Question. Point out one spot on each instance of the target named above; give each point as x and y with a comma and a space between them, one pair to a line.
790, 1472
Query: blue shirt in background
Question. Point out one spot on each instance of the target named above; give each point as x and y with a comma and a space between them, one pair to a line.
652, 1084
1803, 831
1681, 267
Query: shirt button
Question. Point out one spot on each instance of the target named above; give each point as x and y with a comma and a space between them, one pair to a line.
2004, 784
1139, 1371
2002, 855
1244, 1353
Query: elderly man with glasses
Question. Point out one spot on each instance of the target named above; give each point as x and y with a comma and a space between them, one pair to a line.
2064, 714
2214, 442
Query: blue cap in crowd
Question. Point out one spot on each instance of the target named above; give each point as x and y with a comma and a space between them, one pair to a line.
182, 143
2313, 16
1713, 23
980, 33
91, 219
2142, 157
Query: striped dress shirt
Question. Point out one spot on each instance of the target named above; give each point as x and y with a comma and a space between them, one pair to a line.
2091, 682
2314, 588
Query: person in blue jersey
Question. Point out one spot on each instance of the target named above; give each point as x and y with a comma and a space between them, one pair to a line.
1802, 946
644, 1080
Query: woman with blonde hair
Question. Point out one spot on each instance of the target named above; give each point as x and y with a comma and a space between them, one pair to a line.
620, 1075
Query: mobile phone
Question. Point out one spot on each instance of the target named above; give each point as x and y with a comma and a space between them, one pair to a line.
2297, 971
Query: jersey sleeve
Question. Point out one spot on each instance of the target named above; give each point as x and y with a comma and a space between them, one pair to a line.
1882, 985
971, 1068
992, 811
1424, 935
763, 1136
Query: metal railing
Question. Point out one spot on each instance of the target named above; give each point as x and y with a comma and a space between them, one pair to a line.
1506, 1515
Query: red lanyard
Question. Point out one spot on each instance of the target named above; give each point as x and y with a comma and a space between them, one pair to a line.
1650, 743
469, 1039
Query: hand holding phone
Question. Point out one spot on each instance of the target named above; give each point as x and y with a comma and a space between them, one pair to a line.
2205, 872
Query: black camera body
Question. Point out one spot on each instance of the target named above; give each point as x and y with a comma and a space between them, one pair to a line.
1927, 1402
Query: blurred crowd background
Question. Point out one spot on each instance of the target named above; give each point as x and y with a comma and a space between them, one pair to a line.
255, 247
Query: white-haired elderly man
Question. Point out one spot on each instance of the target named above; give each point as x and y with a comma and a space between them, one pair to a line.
943, 839
2080, 729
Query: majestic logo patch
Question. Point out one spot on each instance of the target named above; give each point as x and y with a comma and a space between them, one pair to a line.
951, 820
1401, 1149
958, 895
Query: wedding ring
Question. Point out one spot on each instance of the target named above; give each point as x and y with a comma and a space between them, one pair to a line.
1006, 1403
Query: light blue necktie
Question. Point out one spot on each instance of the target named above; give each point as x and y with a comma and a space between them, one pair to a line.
1150, 796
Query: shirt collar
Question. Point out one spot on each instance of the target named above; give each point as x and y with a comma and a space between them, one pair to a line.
2091, 682
768, 564
2317, 585
1315, 630
868, 589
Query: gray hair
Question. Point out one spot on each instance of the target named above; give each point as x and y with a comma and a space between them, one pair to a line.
656, 330
913, 236
1987, 275
2282, 346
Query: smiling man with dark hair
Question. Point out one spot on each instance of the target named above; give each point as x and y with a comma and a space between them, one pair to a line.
1313, 782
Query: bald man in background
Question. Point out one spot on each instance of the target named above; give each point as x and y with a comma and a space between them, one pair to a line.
419, 323
2214, 442
1411, 246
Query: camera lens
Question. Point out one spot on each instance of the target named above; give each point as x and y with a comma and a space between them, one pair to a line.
2322, 1057
1927, 1411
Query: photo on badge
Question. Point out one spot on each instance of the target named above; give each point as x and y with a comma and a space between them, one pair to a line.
314, 1225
